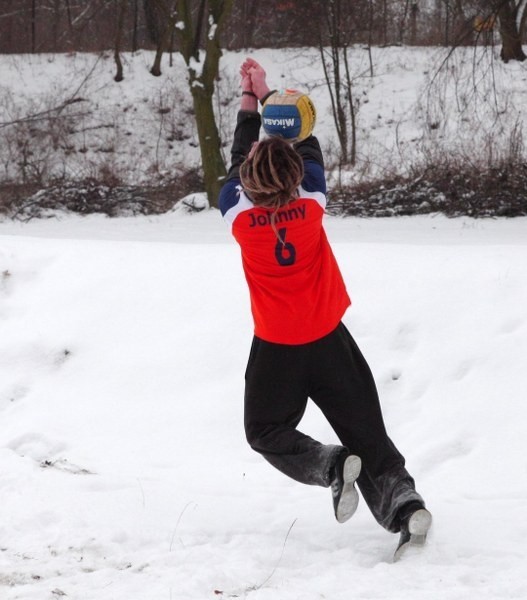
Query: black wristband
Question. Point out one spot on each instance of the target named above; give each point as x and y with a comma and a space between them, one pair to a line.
264, 98
245, 93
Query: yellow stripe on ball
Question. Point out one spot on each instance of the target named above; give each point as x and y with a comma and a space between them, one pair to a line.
308, 116
282, 108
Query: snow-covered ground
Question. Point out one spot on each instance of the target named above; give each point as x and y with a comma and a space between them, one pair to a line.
124, 472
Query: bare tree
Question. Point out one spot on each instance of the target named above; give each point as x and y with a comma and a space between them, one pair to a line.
202, 72
197, 26
135, 26
512, 15
161, 18
122, 5
337, 74
508, 16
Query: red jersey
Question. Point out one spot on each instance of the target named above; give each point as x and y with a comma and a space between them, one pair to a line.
296, 288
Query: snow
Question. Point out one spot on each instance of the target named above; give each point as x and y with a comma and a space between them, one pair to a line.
418, 103
124, 472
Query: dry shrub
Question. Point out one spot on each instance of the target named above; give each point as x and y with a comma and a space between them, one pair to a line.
108, 196
448, 188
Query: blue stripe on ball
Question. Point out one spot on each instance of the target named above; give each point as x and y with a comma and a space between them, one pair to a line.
281, 119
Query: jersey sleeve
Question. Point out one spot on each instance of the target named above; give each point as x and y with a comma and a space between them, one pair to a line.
309, 149
229, 195
314, 178
247, 132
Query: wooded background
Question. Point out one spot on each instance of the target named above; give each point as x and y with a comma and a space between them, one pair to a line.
198, 30
92, 25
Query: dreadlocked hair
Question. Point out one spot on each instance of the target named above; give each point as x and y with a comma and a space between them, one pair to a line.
272, 174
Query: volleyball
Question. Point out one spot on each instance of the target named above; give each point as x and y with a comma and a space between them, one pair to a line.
289, 114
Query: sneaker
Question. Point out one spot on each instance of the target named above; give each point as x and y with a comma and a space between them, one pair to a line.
418, 525
414, 529
345, 495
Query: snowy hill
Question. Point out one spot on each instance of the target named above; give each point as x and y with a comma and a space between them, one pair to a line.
124, 472
413, 105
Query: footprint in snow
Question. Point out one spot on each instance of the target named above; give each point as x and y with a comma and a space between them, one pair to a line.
63, 464
42, 450
405, 338
35, 446
462, 369
12, 395
511, 325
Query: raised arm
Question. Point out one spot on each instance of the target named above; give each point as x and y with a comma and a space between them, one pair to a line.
309, 149
254, 88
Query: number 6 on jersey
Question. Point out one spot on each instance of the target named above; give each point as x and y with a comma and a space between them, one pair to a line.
284, 251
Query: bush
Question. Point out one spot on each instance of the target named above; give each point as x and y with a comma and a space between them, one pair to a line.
452, 190
448, 189
93, 196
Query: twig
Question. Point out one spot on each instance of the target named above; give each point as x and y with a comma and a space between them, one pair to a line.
58, 109
43, 114
177, 524
277, 563
255, 588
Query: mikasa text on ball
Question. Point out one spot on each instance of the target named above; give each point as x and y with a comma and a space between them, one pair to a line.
289, 114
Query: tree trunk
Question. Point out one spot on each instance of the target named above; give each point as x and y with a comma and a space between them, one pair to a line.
214, 170
402, 22
33, 26
161, 47
250, 10
56, 25
157, 12
384, 23
118, 40
197, 29
352, 112
413, 23
511, 48
136, 27
201, 83
339, 82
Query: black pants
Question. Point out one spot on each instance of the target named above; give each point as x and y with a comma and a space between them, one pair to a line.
334, 374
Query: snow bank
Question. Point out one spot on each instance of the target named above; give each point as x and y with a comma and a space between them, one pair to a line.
124, 472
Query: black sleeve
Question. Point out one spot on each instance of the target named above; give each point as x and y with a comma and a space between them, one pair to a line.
309, 149
246, 133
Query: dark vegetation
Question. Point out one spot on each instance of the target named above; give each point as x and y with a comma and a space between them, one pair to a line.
37, 26
449, 190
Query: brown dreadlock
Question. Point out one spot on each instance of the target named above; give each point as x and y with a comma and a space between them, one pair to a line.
272, 173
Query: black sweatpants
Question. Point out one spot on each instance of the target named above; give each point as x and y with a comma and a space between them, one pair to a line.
334, 374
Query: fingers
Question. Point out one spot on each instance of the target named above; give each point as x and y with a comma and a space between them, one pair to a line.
245, 67
249, 66
253, 77
251, 62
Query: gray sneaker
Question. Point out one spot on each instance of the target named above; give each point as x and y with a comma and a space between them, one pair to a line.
345, 495
414, 529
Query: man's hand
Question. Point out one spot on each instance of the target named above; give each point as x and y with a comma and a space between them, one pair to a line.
257, 76
246, 82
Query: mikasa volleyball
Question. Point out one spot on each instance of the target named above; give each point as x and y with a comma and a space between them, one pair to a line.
289, 114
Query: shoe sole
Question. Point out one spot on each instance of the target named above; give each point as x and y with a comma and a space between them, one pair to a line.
349, 498
418, 526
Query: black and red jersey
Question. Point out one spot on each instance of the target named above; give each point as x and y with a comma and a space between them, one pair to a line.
296, 288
